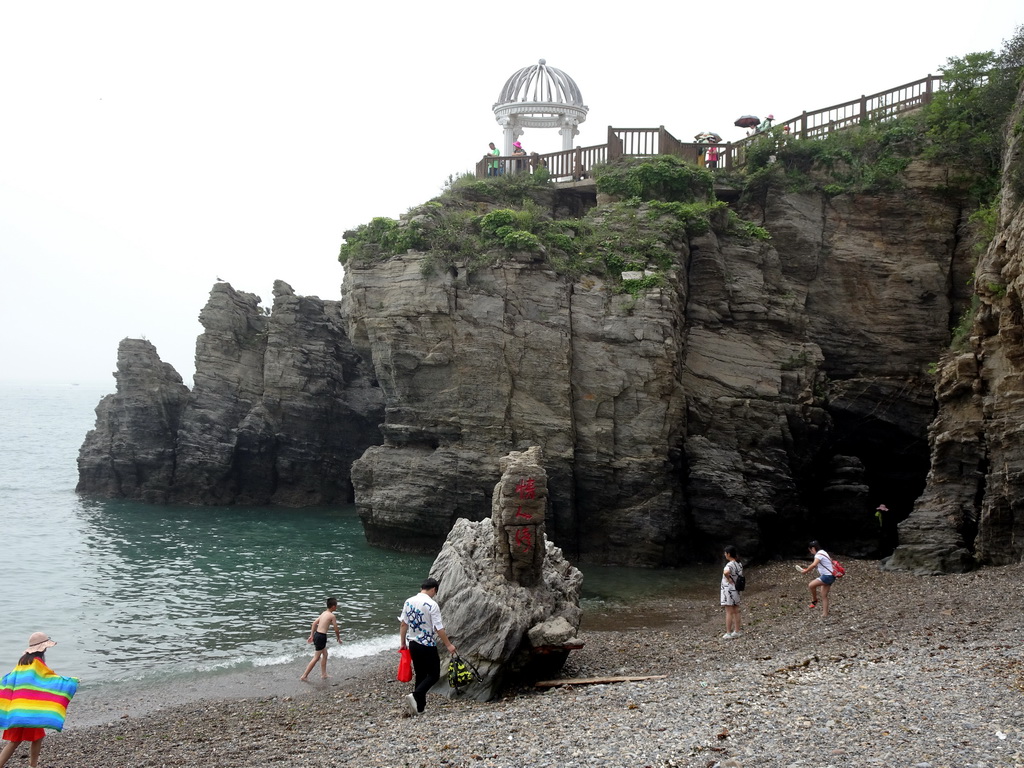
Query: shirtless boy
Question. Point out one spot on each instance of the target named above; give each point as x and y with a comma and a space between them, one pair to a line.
318, 637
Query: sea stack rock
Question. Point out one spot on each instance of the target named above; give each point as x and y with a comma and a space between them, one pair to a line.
282, 405
130, 453
506, 591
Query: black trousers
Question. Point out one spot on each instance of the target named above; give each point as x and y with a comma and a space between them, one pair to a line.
426, 662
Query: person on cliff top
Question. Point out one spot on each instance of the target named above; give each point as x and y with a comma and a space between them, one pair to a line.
421, 628
318, 637
826, 577
32, 698
494, 166
712, 157
730, 598
517, 149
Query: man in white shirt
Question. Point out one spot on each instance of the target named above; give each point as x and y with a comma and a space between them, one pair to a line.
421, 627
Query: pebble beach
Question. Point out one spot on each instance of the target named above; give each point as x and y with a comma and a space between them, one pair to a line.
922, 672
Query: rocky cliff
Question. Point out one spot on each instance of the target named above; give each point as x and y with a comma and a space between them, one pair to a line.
282, 405
764, 392
746, 391
971, 510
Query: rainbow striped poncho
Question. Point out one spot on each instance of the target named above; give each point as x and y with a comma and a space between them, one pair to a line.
34, 696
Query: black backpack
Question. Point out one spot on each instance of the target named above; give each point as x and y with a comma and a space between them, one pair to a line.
740, 581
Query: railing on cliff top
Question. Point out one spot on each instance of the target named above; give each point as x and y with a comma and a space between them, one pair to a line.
575, 164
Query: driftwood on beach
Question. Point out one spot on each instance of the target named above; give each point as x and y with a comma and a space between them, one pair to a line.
596, 680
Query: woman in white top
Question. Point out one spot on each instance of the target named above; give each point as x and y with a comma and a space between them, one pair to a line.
825, 576
730, 598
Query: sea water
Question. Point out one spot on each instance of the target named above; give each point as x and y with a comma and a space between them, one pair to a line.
147, 593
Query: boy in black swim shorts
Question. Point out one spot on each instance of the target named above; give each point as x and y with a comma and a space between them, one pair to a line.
318, 637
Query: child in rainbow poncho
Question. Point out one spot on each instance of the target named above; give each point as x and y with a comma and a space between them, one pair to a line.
33, 697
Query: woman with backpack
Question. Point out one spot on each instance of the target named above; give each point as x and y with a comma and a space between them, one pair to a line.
732, 576
826, 575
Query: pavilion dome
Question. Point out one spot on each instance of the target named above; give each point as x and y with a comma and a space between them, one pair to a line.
541, 84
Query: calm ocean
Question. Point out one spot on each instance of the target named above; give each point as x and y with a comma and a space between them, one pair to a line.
134, 592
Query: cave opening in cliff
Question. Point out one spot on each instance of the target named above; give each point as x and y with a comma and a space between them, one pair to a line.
865, 483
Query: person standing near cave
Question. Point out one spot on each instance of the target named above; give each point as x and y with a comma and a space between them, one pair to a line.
421, 628
730, 598
826, 576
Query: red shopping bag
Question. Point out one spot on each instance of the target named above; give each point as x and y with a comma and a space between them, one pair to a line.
404, 665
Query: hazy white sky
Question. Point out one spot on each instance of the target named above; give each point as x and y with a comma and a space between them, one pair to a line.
148, 148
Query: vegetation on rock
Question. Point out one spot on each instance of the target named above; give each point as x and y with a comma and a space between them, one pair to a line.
661, 202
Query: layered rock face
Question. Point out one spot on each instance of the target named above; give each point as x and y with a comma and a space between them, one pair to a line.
280, 409
473, 365
708, 410
131, 452
761, 394
972, 509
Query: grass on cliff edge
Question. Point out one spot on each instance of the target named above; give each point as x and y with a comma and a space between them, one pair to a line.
964, 128
661, 202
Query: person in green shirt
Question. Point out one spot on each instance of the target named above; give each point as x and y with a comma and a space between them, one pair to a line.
494, 167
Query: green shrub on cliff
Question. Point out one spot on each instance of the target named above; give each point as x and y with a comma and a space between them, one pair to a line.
661, 177
868, 158
478, 222
380, 239
967, 119
626, 236
509, 189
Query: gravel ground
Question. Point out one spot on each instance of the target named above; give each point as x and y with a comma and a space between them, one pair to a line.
907, 671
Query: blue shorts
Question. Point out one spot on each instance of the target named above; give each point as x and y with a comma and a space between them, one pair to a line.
827, 579
319, 640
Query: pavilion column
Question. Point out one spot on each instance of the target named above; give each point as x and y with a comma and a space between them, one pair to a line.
568, 132
512, 132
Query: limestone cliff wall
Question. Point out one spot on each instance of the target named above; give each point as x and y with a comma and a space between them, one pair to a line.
972, 509
762, 394
766, 392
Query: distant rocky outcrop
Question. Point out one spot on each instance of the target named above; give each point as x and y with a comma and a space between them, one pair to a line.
131, 452
281, 407
506, 592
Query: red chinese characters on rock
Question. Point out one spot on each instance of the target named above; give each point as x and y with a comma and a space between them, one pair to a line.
525, 489
524, 539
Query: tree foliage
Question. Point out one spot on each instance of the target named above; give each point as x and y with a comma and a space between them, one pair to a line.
661, 177
966, 120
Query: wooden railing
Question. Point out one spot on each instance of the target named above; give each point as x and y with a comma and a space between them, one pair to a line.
576, 164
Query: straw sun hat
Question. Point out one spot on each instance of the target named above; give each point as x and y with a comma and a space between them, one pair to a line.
39, 641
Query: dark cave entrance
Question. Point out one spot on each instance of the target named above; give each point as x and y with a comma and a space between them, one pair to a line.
868, 462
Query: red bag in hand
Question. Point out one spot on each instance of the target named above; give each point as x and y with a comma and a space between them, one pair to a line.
404, 665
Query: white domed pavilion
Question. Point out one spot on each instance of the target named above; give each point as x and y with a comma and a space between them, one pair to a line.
540, 97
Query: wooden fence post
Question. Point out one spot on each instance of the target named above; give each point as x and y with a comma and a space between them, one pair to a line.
614, 146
